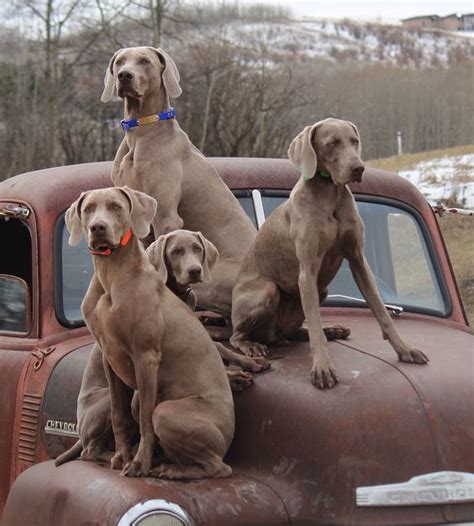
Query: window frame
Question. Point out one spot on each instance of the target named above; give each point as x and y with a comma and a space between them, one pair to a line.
32, 288
424, 230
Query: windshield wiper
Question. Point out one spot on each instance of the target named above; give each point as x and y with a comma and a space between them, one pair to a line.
396, 310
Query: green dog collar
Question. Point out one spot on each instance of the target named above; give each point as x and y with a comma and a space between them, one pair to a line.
321, 174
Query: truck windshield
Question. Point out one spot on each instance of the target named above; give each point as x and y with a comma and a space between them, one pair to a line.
397, 249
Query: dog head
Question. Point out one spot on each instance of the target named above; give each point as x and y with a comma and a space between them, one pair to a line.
135, 73
104, 216
187, 256
331, 146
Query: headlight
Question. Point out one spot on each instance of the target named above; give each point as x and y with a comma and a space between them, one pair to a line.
155, 512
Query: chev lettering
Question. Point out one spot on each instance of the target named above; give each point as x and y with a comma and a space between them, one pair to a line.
434, 488
426, 496
58, 427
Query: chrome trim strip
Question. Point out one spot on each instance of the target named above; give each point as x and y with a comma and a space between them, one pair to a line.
395, 309
258, 205
149, 507
58, 427
443, 487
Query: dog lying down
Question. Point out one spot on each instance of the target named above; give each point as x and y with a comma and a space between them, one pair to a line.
152, 343
182, 258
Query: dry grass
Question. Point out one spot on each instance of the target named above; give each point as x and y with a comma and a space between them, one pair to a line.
459, 239
409, 160
457, 230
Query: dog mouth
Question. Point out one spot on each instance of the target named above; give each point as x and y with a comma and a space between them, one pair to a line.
102, 246
128, 92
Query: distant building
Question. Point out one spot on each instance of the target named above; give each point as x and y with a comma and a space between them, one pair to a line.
468, 22
453, 22
421, 22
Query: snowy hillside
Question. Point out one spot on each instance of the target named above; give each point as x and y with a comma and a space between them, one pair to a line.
348, 41
444, 177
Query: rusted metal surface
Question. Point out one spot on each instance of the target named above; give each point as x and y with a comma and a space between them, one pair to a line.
385, 422
87, 493
12, 364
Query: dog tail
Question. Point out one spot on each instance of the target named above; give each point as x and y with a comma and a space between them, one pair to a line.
70, 454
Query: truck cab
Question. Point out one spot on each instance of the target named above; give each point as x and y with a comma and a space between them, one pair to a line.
390, 444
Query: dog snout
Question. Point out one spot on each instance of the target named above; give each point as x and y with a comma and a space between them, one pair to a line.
357, 170
98, 228
125, 77
195, 273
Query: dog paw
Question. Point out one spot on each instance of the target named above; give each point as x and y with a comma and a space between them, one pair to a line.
135, 468
119, 459
253, 349
336, 332
165, 471
256, 364
412, 355
324, 376
239, 380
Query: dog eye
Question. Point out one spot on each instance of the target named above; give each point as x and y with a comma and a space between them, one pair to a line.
144, 61
333, 144
87, 209
355, 142
116, 206
197, 248
118, 62
176, 252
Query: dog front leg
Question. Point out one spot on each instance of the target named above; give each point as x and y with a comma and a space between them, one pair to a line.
122, 420
146, 372
167, 217
323, 373
366, 282
122, 151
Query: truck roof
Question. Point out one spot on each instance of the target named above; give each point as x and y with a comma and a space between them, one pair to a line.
65, 183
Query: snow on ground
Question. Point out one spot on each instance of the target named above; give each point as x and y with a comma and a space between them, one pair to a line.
340, 41
443, 177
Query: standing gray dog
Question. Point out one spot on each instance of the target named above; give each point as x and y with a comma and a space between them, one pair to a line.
157, 157
300, 248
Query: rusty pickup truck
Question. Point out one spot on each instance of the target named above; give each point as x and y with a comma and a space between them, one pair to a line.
392, 443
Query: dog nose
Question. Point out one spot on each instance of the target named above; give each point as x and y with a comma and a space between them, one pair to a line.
357, 172
194, 272
98, 228
125, 76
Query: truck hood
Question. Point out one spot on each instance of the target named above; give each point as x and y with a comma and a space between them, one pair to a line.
384, 423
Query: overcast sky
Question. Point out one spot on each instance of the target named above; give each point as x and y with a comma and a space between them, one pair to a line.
372, 9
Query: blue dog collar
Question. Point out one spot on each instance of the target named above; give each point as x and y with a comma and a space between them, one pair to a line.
133, 123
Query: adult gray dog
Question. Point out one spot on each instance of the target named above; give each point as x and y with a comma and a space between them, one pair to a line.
152, 343
157, 157
300, 248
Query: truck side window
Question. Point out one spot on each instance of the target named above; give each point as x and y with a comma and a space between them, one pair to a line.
15, 239
15, 275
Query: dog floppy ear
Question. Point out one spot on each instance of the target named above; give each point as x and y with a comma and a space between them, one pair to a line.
109, 84
301, 153
170, 74
142, 211
157, 255
210, 257
359, 148
73, 221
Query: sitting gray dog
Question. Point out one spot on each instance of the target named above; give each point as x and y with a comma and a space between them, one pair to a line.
299, 250
155, 346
